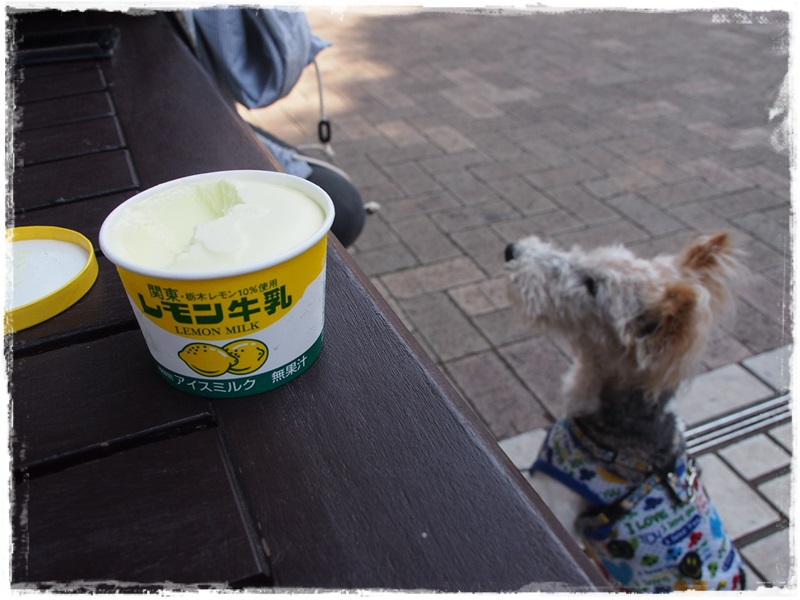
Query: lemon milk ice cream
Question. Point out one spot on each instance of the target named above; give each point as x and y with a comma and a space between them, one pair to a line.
225, 273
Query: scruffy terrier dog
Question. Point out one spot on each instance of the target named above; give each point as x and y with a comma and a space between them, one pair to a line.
615, 470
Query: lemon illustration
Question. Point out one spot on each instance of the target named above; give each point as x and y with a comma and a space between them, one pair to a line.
206, 359
250, 355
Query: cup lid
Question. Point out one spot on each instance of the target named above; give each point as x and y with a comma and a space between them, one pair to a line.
44, 279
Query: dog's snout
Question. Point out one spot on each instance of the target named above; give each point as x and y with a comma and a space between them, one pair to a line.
511, 252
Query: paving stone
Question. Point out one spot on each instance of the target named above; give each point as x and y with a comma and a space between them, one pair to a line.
446, 330
602, 158
355, 127
779, 492
773, 367
739, 203
717, 175
466, 187
503, 326
453, 162
645, 215
496, 145
521, 195
432, 278
400, 133
583, 134
366, 173
580, 203
391, 154
523, 448
766, 178
389, 96
697, 216
533, 126
471, 104
412, 179
768, 230
783, 434
742, 510
718, 392
416, 205
719, 133
481, 215
448, 139
773, 559
758, 256
508, 167
549, 152
376, 234
497, 396
659, 168
546, 225
484, 246
723, 349
621, 183
768, 297
542, 366
552, 178
669, 244
756, 456
648, 110
483, 297
385, 259
605, 234
757, 330
425, 240
780, 275
683, 192
638, 144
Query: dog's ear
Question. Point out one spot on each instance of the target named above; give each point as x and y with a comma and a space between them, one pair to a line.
670, 315
667, 345
708, 253
713, 262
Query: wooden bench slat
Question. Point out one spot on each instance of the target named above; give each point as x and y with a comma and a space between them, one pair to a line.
70, 83
106, 390
64, 110
68, 140
161, 512
111, 172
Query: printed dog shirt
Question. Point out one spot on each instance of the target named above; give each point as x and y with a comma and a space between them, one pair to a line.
652, 533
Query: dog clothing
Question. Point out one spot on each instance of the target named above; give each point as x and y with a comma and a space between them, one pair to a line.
648, 531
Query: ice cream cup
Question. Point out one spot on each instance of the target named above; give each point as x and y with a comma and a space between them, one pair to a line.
237, 330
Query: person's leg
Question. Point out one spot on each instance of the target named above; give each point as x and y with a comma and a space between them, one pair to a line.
350, 213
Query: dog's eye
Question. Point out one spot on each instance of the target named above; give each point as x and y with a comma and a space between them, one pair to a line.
591, 286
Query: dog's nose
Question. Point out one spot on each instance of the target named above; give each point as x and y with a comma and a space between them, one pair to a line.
511, 252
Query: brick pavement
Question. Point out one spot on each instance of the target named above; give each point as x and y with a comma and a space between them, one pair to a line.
474, 130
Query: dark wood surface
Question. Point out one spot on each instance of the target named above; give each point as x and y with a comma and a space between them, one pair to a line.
369, 471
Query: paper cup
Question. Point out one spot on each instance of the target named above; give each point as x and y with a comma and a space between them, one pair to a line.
239, 331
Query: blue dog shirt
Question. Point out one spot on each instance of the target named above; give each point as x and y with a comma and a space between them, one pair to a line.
648, 531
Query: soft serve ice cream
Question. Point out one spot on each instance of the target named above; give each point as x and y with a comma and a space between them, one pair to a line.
225, 273
215, 225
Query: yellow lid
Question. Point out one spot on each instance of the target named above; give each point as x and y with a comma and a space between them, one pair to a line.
47, 276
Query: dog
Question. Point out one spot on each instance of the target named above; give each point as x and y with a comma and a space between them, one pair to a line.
614, 470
